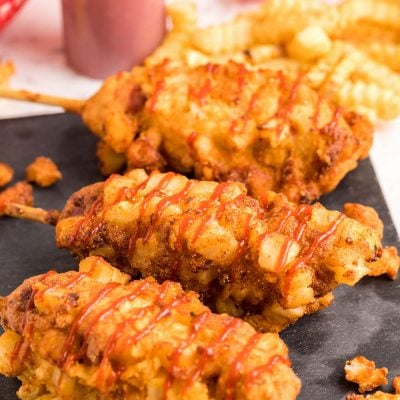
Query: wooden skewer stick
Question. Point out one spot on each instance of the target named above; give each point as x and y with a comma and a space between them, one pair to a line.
48, 217
71, 105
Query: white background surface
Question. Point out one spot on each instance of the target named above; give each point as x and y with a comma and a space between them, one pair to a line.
34, 42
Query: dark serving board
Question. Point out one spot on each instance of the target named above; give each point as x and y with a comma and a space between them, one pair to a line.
363, 320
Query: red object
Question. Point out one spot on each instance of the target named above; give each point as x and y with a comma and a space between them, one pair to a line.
8, 8
103, 37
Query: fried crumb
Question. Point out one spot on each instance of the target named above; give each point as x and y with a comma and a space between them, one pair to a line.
396, 384
366, 215
43, 171
21, 193
6, 174
375, 396
363, 372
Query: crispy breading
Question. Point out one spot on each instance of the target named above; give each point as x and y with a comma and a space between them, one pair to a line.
268, 264
6, 174
93, 334
109, 160
225, 122
396, 384
375, 396
21, 193
363, 372
43, 171
365, 215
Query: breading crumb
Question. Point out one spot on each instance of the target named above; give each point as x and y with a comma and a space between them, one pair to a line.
43, 171
363, 372
396, 384
20, 193
375, 396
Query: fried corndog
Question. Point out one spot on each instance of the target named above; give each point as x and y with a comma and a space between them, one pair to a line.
95, 334
265, 128
268, 263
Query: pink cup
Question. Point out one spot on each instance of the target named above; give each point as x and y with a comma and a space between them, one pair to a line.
105, 36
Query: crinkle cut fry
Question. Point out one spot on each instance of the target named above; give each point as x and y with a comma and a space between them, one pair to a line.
269, 264
92, 334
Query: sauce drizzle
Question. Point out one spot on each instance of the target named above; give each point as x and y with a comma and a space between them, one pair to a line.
173, 367
165, 310
254, 375
210, 352
85, 312
238, 364
310, 253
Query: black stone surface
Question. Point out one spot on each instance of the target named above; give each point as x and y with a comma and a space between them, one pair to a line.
363, 320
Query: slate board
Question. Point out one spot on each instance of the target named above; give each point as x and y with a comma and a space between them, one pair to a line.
363, 320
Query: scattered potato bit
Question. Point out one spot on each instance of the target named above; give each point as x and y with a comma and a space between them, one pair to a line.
309, 44
43, 172
21, 193
6, 174
375, 396
365, 215
396, 384
363, 372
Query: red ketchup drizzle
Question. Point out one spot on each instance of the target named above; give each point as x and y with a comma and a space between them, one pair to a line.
173, 367
216, 195
26, 329
305, 212
160, 86
163, 204
210, 352
79, 276
203, 206
335, 120
246, 116
283, 255
142, 185
85, 312
242, 77
143, 285
123, 191
254, 375
72, 283
164, 311
162, 184
78, 226
284, 111
283, 221
238, 364
90, 214
205, 89
112, 341
191, 141
316, 243
315, 119
184, 225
